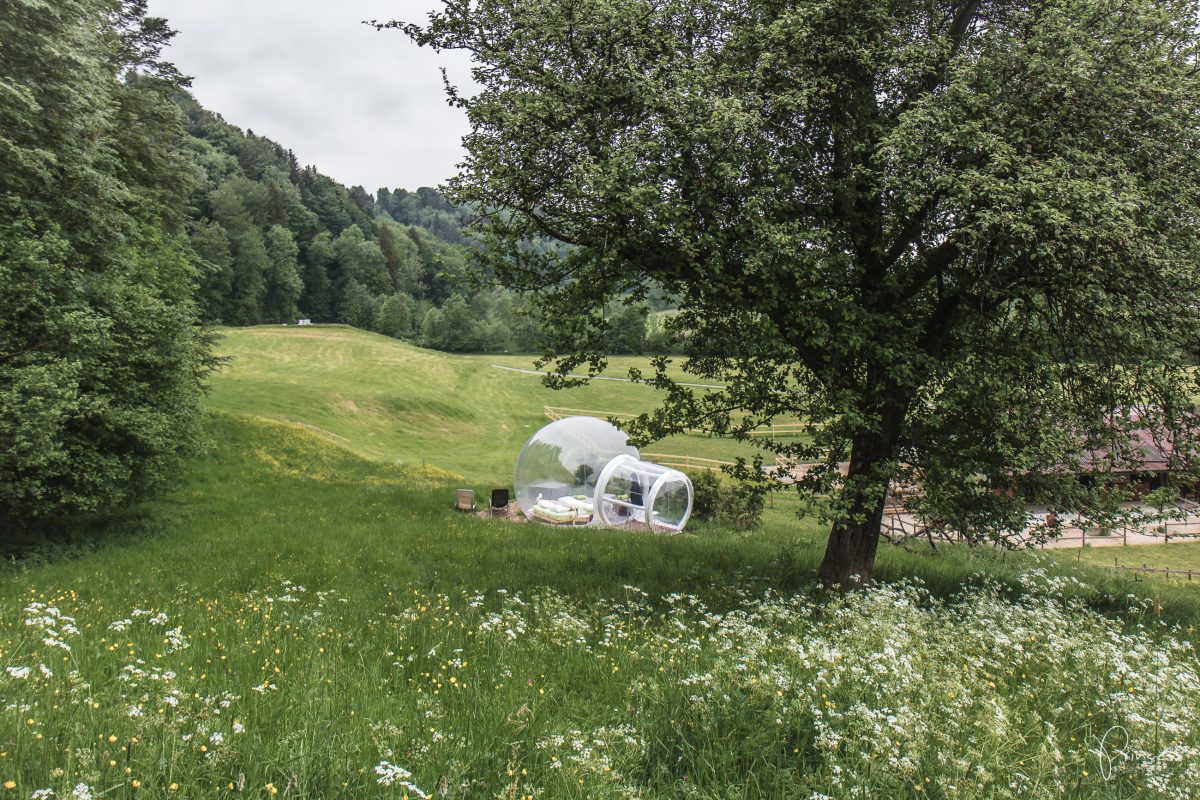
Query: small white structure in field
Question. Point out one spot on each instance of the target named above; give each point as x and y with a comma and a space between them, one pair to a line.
304, 321
583, 471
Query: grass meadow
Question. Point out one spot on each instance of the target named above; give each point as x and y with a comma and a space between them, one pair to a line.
392, 402
1177, 555
305, 617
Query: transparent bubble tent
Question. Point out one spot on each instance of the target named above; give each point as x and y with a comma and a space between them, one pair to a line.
583, 471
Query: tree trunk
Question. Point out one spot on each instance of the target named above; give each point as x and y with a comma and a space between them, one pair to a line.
850, 552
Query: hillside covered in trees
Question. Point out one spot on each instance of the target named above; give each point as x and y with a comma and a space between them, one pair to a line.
132, 220
275, 241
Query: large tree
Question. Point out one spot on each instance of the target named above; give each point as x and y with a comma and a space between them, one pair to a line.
957, 236
360, 259
283, 282
101, 356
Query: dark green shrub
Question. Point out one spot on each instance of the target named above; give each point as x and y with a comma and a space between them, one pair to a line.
706, 490
743, 506
738, 504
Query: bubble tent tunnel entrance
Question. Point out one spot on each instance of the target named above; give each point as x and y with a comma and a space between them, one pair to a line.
583, 471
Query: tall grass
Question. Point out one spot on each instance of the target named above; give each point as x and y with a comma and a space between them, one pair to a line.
296, 621
1175, 555
311, 693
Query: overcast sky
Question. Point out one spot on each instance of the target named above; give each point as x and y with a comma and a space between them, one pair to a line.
366, 107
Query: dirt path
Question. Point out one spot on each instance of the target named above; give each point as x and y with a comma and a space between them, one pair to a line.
1074, 537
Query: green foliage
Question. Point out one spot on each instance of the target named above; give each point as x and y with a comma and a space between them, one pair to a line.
316, 298
626, 332
249, 191
402, 257
210, 243
286, 207
232, 207
458, 325
737, 504
706, 494
743, 506
957, 236
394, 316
425, 208
358, 305
282, 278
663, 336
359, 259
452, 327
100, 354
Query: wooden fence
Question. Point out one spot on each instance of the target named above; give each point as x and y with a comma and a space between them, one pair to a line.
1186, 574
773, 430
557, 413
782, 430
715, 465
1167, 531
686, 462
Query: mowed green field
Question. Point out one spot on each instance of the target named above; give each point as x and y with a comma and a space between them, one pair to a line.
299, 620
1176, 555
392, 402
398, 404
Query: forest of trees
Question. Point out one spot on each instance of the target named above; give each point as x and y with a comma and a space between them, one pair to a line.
275, 241
101, 354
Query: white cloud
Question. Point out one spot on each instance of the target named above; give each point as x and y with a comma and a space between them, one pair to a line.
366, 107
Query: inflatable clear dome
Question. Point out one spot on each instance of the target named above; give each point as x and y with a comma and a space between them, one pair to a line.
583, 471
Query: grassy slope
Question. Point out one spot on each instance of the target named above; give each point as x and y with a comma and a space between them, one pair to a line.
393, 402
274, 502
1179, 555
272, 499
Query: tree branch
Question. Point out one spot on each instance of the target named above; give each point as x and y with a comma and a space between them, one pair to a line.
960, 23
911, 230
935, 263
